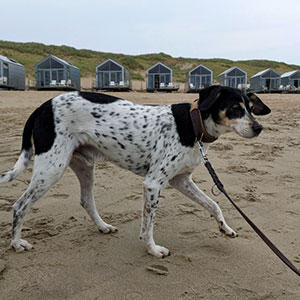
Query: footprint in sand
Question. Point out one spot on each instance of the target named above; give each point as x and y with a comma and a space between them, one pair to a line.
134, 295
158, 269
293, 142
221, 147
40, 228
5, 205
264, 152
245, 170
297, 259
286, 178
137, 196
187, 208
249, 196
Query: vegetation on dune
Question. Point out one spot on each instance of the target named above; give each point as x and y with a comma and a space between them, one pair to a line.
29, 54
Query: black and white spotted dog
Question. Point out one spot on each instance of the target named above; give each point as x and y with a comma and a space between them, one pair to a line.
156, 142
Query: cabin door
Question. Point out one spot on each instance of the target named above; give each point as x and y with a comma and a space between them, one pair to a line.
231, 82
296, 83
268, 83
47, 78
106, 79
156, 81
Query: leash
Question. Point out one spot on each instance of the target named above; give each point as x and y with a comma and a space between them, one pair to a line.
221, 188
203, 136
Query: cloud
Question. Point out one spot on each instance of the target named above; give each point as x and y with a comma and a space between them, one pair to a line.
231, 29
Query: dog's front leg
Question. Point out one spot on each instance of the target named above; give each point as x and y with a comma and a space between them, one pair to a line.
185, 184
150, 203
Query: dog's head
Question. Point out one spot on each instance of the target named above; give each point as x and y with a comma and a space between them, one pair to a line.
226, 109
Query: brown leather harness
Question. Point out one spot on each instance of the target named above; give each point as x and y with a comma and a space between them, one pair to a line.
203, 136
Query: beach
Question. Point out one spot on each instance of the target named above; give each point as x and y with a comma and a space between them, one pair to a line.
71, 259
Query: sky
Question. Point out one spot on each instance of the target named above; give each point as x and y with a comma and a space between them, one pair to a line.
231, 29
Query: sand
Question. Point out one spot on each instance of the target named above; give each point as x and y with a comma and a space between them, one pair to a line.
72, 260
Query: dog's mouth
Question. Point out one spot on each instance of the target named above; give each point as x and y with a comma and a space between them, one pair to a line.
250, 132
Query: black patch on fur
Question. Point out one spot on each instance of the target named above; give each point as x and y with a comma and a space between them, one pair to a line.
44, 128
40, 125
95, 115
121, 145
235, 112
181, 113
98, 98
174, 157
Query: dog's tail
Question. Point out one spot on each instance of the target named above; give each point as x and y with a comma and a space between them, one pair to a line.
26, 151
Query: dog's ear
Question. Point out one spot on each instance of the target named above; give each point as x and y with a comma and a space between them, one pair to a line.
257, 106
208, 96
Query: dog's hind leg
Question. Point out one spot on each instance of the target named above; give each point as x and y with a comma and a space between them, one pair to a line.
83, 167
185, 184
47, 170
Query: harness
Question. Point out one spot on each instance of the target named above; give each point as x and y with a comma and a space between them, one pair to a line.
202, 136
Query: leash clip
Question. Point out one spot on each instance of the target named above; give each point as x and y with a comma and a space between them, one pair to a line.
202, 151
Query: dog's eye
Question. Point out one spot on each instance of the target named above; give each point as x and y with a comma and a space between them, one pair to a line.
235, 112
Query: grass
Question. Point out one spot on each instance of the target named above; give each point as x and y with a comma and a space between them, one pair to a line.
29, 54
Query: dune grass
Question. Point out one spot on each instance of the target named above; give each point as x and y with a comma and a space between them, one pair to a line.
29, 54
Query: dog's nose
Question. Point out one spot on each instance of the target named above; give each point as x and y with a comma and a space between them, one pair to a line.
257, 128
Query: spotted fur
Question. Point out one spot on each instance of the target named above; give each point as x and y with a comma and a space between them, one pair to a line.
155, 142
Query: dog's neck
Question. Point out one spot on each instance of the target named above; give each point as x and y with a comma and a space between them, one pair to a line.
184, 125
212, 128
199, 126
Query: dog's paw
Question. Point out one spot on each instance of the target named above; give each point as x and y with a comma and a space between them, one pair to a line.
159, 251
20, 245
108, 229
224, 228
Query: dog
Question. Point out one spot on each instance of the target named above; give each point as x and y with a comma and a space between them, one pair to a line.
156, 142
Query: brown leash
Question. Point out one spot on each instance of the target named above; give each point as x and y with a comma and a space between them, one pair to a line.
203, 136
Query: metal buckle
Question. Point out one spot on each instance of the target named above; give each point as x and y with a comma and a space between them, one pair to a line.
203, 154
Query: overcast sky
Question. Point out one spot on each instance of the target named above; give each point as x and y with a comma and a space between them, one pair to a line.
233, 29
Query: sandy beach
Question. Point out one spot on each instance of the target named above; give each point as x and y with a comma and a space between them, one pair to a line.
72, 260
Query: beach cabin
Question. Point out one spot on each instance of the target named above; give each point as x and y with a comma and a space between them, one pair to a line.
290, 81
233, 77
12, 74
159, 78
112, 76
265, 81
55, 73
198, 78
